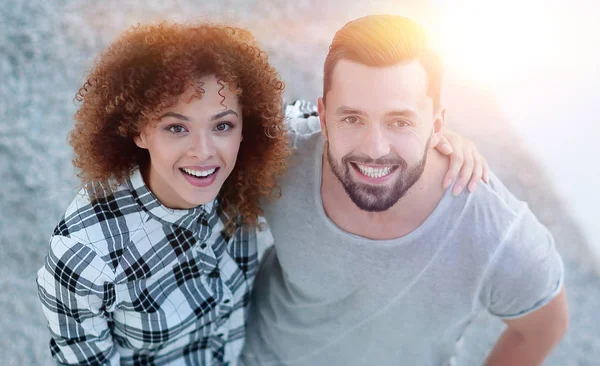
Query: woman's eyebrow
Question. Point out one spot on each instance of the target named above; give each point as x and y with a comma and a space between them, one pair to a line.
213, 118
223, 114
176, 115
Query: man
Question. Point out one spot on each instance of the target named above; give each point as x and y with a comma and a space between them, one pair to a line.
375, 262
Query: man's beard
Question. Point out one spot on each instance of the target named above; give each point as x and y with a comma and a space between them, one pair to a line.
376, 198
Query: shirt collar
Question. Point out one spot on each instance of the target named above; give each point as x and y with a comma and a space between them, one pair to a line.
185, 218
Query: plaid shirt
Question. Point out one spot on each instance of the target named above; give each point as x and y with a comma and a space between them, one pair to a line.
131, 282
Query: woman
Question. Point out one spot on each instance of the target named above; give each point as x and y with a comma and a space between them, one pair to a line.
178, 137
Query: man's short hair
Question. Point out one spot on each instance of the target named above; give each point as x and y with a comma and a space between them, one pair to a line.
384, 40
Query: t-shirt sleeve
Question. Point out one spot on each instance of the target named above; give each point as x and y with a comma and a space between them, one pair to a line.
526, 271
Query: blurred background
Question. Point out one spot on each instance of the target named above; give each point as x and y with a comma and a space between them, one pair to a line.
522, 82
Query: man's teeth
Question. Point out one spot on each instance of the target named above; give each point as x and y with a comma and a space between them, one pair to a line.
374, 172
199, 173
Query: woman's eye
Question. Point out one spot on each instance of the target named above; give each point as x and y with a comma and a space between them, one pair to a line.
400, 123
223, 126
176, 129
351, 120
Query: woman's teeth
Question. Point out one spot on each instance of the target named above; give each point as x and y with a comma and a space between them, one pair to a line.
374, 172
199, 173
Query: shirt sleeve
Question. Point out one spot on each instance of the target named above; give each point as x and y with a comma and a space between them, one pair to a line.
75, 287
526, 271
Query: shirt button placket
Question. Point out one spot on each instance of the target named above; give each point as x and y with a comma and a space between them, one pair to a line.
226, 304
203, 244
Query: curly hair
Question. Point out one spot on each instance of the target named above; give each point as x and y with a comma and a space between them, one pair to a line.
146, 70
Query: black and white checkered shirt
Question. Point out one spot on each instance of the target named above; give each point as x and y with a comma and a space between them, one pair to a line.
129, 281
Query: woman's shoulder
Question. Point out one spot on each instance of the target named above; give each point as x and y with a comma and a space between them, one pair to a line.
100, 219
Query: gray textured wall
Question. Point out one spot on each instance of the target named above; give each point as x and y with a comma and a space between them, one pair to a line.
46, 48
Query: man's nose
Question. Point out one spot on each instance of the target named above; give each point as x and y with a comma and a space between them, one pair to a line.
376, 143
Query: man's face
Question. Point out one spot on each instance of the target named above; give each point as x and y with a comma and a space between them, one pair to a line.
378, 123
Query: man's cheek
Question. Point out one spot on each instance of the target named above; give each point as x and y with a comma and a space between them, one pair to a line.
337, 152
409, 142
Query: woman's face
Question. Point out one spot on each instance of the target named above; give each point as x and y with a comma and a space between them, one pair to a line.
193, 147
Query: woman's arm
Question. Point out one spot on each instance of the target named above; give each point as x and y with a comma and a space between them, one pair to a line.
74, 287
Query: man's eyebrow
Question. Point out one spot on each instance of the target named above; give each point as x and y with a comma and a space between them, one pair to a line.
175, 115
223, 114
407, 112
347, 110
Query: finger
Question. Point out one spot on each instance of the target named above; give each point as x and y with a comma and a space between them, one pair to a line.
456, 162
443, 146
465, 173
486, 170
477, 173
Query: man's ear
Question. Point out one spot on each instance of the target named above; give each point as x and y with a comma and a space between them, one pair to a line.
140, 141
438, 126
322, 118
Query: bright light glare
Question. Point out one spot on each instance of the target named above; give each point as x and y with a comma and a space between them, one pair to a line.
497, 41
541, 59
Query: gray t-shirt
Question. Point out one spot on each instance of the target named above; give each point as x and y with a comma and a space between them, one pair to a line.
327, 297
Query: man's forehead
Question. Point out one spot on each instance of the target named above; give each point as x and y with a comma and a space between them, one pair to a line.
355, 84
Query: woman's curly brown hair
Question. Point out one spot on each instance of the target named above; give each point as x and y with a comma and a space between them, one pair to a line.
146, 70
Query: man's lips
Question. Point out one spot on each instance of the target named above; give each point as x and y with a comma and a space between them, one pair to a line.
374, 173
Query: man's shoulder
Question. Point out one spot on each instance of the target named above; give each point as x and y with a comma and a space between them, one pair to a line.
492, 212
524, 253
306, 142
480, 220
495, 199
492, 226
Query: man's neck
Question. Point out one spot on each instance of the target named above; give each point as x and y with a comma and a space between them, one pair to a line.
401, 219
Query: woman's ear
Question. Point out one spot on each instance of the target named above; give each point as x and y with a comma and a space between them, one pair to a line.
140, 141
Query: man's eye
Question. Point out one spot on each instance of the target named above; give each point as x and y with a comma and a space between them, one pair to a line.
400, 123
176, 129
351, 120
223, 126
